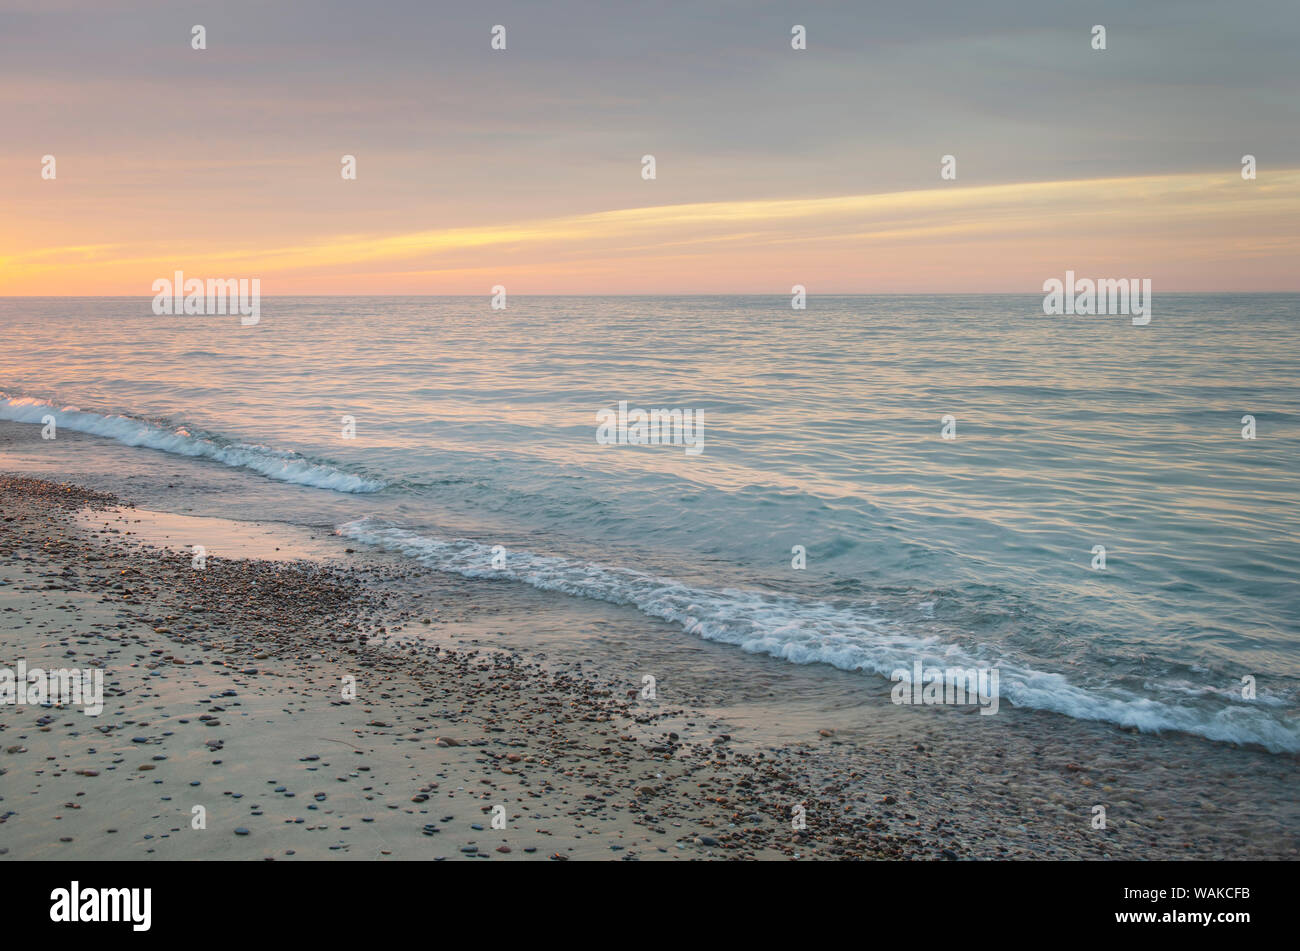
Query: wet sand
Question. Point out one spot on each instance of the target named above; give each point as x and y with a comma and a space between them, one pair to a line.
225, 690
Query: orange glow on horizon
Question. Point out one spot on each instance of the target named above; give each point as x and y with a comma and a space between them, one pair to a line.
1187, 232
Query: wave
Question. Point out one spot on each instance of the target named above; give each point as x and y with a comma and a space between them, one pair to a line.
283, 465
805, 631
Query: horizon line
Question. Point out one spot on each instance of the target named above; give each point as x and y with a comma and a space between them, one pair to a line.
779, 294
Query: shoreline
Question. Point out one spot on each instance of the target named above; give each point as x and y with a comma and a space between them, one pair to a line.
409, 769
442, 732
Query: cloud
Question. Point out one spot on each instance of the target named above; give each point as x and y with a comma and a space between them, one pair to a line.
949, 238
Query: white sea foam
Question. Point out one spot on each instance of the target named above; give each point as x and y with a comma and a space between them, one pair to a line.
277, 464
805, 631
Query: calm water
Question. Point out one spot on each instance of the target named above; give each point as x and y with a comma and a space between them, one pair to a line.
822, 428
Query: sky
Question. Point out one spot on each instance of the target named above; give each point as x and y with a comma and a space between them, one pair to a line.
523, 167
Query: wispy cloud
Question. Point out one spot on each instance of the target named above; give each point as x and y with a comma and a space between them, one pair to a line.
1009, 237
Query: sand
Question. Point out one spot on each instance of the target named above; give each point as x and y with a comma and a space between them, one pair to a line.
225, 692
224, 689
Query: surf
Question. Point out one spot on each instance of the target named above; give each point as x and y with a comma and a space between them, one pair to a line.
279, 464
807, 631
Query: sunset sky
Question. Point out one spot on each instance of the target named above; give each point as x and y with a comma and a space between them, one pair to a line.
523, 167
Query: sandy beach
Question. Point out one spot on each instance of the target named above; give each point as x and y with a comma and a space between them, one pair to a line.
225, 689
